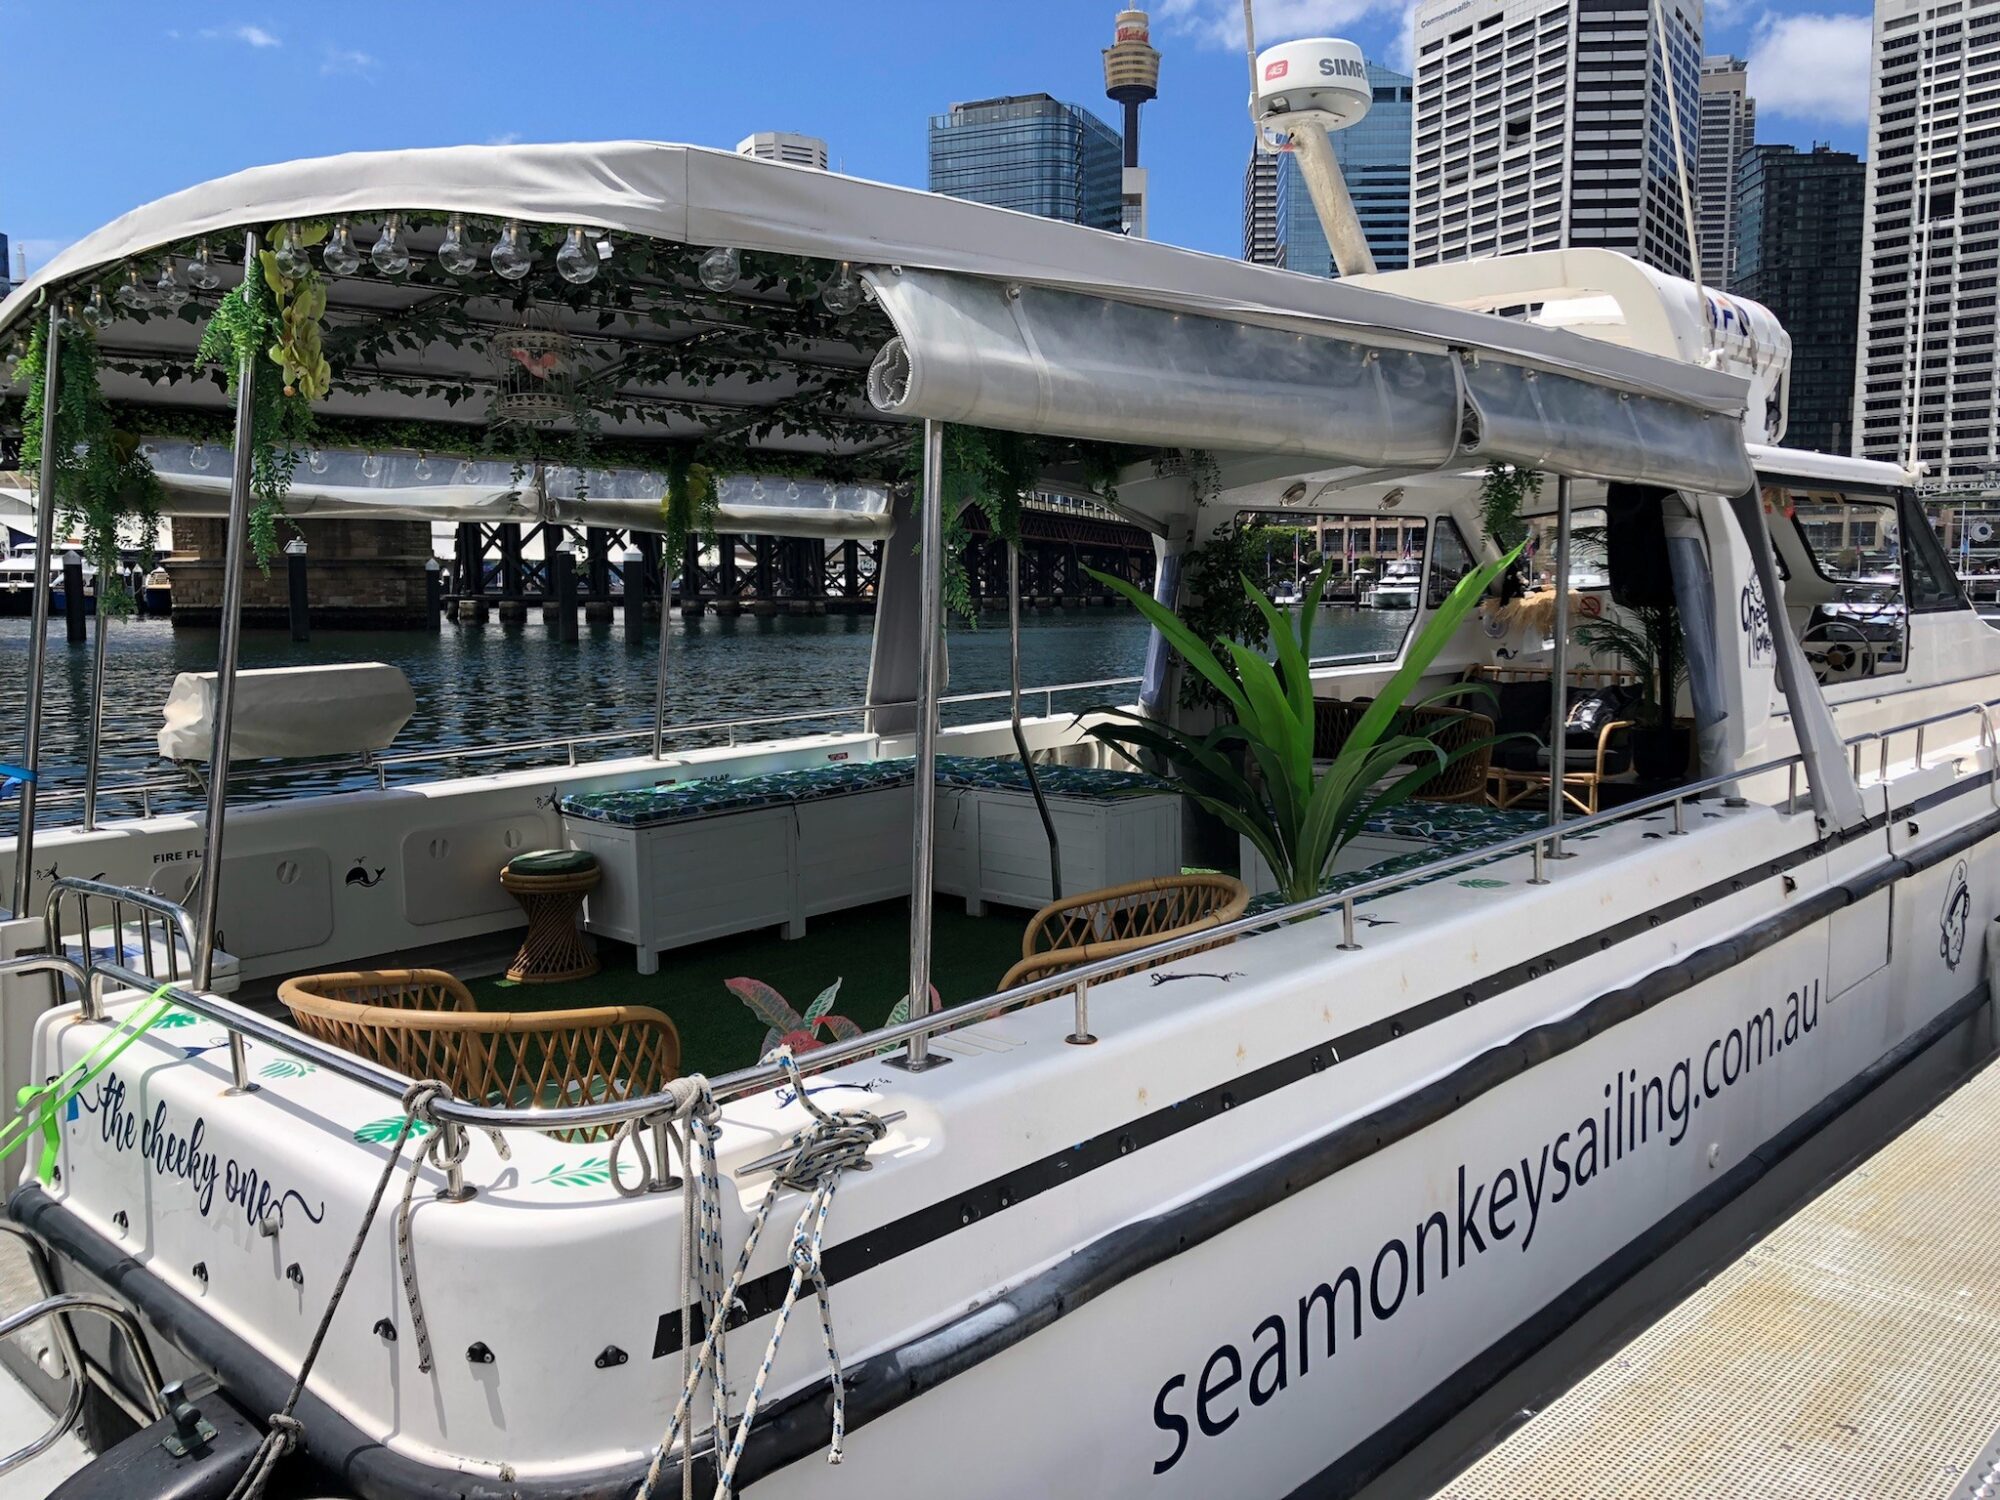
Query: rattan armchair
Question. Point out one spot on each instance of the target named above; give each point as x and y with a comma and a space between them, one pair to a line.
1123, 919
1450, 729
423, 1023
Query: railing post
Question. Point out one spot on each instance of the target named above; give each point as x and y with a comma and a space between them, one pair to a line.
46, 506
231, 636
1539, 875
1347, 943
1680, 816
930, 627
90, 767
1080, 1037
1559, 676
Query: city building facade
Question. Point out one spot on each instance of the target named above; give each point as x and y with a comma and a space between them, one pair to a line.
1260, 208
1728, 129
1548, 123
1033, 153
1374, 157
783, 145
1798, 251
1924, 387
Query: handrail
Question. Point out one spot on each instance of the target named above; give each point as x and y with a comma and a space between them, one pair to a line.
755, 1079
63, 1306
145, 787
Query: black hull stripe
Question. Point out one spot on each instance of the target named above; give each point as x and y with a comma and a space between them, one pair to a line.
796, 1426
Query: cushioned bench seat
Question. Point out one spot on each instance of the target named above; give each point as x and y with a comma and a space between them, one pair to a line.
1451, 829
683, 801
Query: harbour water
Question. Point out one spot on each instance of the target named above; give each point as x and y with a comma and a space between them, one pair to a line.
508, 684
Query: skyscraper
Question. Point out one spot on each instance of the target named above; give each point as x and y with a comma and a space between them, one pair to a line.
6, 268
1798, 251
1374, 157
1925, 386
1260, 209
1544, 123
782, 145
1728, 129
1030, 152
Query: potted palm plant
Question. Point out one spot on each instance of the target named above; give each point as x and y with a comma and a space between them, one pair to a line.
1256, 772
1647, 638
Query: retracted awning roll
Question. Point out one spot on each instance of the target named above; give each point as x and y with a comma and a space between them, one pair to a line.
1029, 358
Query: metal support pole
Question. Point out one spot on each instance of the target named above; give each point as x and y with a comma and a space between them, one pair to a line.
1559, 674
73, 597
96, 715
660, 673
1312, 148
297, 612
38, 631
923, 855
235, 547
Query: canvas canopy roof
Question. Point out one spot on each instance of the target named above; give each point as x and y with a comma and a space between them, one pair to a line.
981, 315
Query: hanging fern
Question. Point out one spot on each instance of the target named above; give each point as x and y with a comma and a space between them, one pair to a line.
688, 508
1502, 493
103, 482
265, 322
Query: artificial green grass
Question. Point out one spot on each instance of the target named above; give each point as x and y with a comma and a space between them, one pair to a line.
867, 949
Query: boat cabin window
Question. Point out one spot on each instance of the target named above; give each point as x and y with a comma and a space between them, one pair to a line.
1374, 566
1844, 587
1933, 582
1451, 560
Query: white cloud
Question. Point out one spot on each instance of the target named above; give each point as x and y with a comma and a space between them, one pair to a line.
250, 36
346, 60
1812, 67
504, 140
1219, 23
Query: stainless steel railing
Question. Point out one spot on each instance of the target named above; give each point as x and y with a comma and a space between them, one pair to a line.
567, 747
241, 1022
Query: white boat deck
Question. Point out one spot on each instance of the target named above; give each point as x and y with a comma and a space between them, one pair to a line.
1853, 1351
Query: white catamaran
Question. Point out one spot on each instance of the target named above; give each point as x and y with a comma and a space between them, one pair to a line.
1241, 1201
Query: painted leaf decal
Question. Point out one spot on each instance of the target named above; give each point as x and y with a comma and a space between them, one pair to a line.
381, 1132
592, 1171
1482, 884
289, 1067
176, 1018
823, 1003
765, 1003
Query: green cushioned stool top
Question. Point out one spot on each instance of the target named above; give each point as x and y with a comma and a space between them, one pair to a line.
552, 862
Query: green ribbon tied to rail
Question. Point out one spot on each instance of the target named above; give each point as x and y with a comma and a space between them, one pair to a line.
41, 1105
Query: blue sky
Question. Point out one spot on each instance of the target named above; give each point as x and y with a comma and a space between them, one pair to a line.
109, 105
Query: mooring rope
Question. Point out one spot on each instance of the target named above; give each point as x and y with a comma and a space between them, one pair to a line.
445, 1150
834, 1142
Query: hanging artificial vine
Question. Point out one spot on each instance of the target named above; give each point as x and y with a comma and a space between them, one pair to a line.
1502, 493
688, 508
272, 322
103, 481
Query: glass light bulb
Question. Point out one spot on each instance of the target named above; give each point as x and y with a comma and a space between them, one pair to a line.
316, 461
422, 471
198, 456
168, 293
133, 295
511, 257
389, 256
466, 473
453, 255
341, 256
843, 294
756, 489
290, 254
721, 269
576, 261
792, 491
371, 467
201, 272
95, 313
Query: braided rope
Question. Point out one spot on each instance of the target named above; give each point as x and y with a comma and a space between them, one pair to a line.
834, 1142
285, 1432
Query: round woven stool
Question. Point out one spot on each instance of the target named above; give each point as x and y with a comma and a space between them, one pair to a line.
550, 884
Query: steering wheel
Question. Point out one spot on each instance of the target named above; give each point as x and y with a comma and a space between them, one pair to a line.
1837, 661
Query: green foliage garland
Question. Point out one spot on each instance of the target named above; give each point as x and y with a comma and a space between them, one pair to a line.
1220, 610
248, 327
688, 507
1502, 493
102, 479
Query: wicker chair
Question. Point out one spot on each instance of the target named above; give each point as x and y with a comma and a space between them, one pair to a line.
423, 1023
1450, 729
1122, 919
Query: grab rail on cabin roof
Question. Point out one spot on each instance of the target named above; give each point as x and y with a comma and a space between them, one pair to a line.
457, 1113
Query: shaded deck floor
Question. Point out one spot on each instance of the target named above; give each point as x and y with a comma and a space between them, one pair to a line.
1852, 1351
867, 949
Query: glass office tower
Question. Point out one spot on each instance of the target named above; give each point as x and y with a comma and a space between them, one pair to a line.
1030, 152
